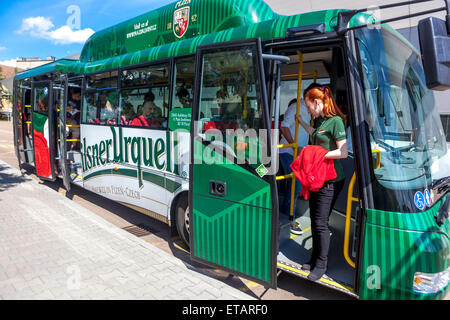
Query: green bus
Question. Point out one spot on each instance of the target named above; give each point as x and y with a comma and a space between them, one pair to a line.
176, 114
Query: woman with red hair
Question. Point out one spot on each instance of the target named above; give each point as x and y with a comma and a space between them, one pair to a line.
331, 135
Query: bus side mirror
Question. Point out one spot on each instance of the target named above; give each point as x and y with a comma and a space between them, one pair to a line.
435, 47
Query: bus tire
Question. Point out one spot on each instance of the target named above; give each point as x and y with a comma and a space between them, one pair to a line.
182, 219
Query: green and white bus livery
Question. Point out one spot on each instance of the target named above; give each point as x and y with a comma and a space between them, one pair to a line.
176, 113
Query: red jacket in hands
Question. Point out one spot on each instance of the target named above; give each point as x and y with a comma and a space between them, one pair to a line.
312, 169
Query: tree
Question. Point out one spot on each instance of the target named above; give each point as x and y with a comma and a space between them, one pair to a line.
1, 73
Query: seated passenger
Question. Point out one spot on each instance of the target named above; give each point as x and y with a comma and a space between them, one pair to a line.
151, 116
127, 114
183, 97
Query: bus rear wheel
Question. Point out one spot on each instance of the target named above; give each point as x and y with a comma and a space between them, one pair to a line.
182, 219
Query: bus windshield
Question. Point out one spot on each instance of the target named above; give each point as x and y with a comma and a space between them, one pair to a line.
407, 139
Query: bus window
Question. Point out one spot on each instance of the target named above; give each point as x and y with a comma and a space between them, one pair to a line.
154, 75
41, 98
102, 80
100, 107
229, 97
100, 99
144, 98
184, 77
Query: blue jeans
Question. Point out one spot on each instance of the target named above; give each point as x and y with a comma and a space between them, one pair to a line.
286, 159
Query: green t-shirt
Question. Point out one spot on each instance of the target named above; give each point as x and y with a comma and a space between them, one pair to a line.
329, 131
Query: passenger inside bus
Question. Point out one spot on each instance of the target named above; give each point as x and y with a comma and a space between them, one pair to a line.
183, 98
324, 67
127, 115
151, 116
331, 136
286, 155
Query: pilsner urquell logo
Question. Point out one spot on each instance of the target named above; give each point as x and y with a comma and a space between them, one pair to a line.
181, 21
140, 151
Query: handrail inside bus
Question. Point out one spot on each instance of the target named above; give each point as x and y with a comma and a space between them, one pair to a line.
350, 199
294, 145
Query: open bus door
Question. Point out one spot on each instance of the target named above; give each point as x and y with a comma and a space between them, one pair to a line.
18, 120
60, 93
233, 203
43, 132
22, 123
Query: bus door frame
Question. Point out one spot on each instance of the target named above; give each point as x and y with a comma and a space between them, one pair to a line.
29, 152
274, 198
61, 133
19, 143
24, 155
358, 128
361, 144
51, 129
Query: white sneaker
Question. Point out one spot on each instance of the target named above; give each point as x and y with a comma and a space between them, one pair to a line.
295, 228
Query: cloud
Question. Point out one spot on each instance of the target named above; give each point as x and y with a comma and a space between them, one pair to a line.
65, 35
36, 26
41, 27
3, 48
9, 63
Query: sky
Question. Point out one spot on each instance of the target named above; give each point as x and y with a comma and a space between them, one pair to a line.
59, 28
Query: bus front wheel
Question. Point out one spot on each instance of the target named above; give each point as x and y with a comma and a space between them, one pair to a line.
182, 219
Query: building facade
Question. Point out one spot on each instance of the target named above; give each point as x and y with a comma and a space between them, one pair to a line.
29, 63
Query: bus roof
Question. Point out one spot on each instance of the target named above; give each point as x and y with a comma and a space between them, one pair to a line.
184, 19
157, 34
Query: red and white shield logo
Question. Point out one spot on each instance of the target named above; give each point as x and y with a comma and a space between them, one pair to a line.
181, 21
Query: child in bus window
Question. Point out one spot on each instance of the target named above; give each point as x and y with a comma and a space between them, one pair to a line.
127, 114
183, 98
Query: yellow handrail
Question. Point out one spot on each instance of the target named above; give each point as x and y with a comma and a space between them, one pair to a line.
70, 140
348, 216
297, 112
70, 126
314, 74
294, 145
288, 176
285, 146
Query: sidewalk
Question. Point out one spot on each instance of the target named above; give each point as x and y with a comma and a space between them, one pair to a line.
52, 248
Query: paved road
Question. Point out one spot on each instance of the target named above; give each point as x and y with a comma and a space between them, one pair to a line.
64, 251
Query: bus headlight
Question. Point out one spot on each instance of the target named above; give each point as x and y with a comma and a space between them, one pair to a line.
430, 283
